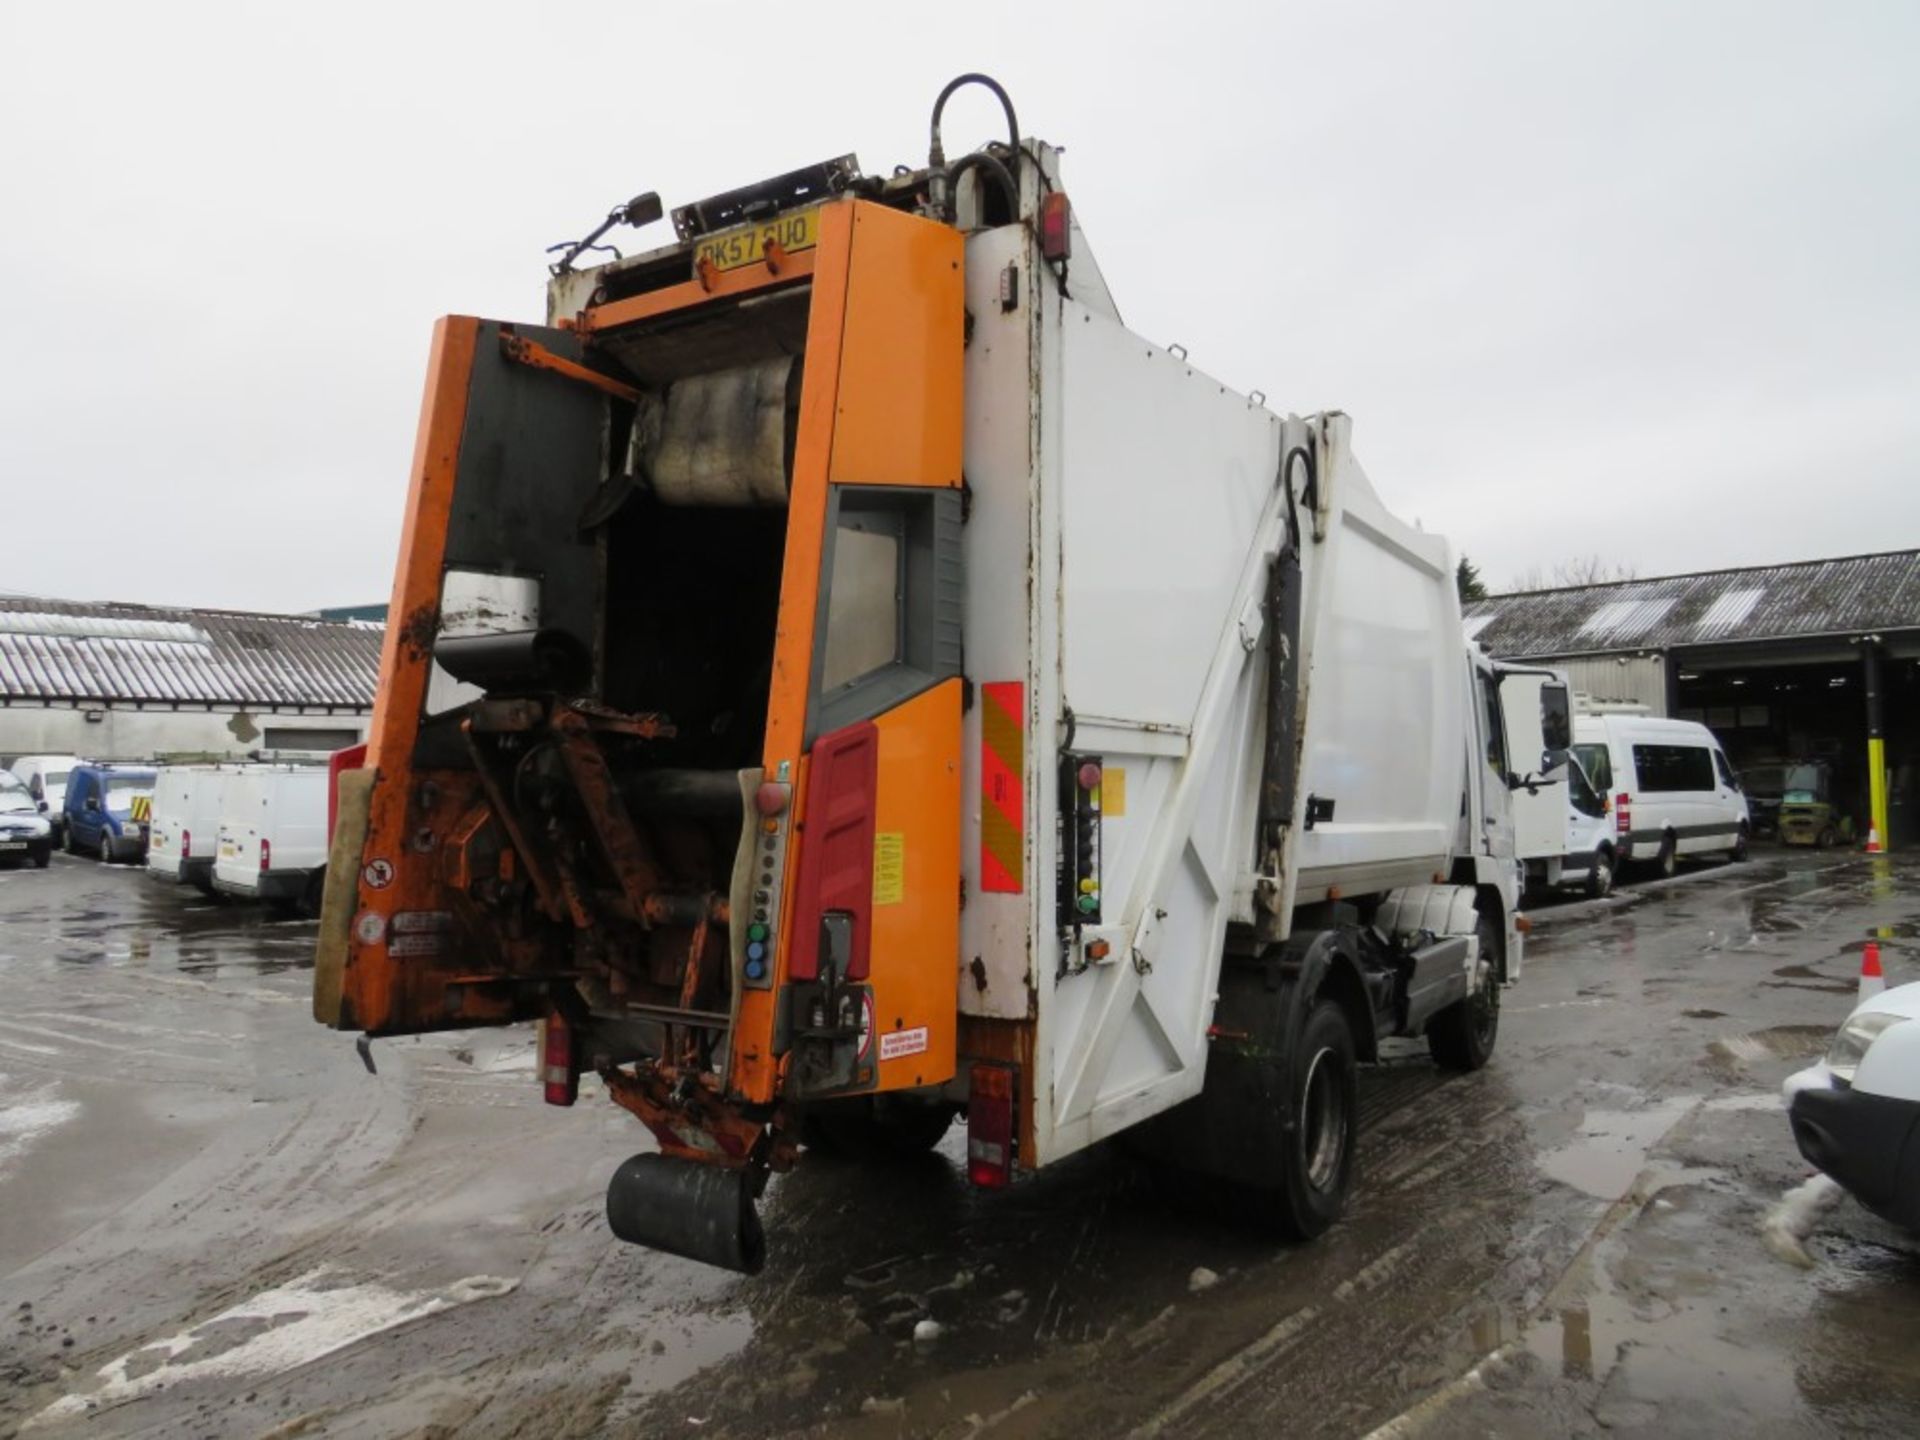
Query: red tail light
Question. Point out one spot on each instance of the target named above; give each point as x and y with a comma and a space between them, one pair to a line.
990, 1126
1623, 812
186, 844
1056, 231
266, 854
559, 1066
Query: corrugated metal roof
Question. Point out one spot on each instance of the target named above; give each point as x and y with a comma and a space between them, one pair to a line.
1854, 595
66, 651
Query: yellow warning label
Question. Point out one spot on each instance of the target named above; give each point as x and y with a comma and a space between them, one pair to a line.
1113, 792
889, 867
141, 808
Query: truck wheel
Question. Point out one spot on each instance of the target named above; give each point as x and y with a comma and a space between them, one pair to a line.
876, 1127
1600, 877
1739, 851
1461, 1037
1318, 1168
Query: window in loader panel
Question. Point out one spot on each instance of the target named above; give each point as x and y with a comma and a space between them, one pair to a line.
889, 623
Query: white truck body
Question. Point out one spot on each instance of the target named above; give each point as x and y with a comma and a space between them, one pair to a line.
284, 809
1126, 511
1562, 830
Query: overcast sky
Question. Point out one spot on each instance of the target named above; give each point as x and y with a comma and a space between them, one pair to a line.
1634, 279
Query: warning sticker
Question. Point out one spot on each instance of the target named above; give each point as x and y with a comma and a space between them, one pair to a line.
416, 944
1113, 792
903, 1042
1003, 779
422, 922
889, 867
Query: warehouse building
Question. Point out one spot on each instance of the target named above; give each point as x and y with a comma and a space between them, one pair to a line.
135, 682
1818, 660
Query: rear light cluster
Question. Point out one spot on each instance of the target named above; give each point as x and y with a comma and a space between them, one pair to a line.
1623, 812
186, 844
990, 1126
266, 854
769, 861
559, 1066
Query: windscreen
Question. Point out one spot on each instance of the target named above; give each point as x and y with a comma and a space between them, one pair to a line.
1802, 785
125, 787
15, 797
1598, 765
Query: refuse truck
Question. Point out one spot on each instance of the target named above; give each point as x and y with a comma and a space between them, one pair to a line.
840, 679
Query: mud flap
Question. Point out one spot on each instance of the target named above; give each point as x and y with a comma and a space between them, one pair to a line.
354, 800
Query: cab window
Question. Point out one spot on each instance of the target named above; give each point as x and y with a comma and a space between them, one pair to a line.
1598, 765
1728, 776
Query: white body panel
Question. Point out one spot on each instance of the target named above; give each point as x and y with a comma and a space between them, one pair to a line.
45, 779
186, 817
284, 805
1701, 818
1125, 511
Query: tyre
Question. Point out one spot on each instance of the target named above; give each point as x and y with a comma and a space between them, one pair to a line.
1828, 838
1600, 877
1739, 851
106, 846
315, 892
876, 1127
1667, 863
1317, 1169
1462, 1036
66, 841
43, 857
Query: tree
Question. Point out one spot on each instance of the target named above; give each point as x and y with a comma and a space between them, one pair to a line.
1467, 576
1576, 571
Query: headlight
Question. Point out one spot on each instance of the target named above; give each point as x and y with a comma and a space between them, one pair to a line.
1850, 1046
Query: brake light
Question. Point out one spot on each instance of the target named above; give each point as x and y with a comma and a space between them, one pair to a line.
186, 844
559, 1071
990, 1126
1623, 812
1056, 230
266, 854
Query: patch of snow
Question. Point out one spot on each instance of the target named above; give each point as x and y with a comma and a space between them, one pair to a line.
290, 1325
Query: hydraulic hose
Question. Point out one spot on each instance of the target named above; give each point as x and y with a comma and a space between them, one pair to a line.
990, 167
941, 180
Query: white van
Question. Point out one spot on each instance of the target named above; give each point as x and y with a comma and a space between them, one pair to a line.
45, 777
1673, 791
185, 828
273, 835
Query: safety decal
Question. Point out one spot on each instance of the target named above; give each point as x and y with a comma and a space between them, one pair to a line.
141, 808
903, 1042
1113, 792
1003, 783
378, 874
889, 867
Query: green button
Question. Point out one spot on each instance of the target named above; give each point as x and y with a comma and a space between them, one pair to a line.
1089, 904
756, 932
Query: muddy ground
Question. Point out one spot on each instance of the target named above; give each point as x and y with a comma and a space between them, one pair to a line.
214, 1222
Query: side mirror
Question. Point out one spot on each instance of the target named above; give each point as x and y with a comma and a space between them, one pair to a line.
1552, 760
642, 209
43, 807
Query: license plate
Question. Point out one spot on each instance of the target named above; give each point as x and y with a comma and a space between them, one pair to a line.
228, 850
748, 245
13, 844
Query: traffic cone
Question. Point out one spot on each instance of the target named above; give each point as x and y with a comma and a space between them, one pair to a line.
1873, 979
1873, 840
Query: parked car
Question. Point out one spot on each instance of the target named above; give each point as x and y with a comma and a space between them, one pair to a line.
24, 832
1765, 783
185, 829
1856, 1114
107, 810
45, 777
1674, 791
273, 835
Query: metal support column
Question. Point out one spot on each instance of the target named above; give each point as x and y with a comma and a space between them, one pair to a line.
1876, 737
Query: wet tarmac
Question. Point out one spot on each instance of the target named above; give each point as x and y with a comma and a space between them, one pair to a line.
213, 1221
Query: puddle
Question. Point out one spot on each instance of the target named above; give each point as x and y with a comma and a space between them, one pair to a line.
1782, 1042
1611, 1149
